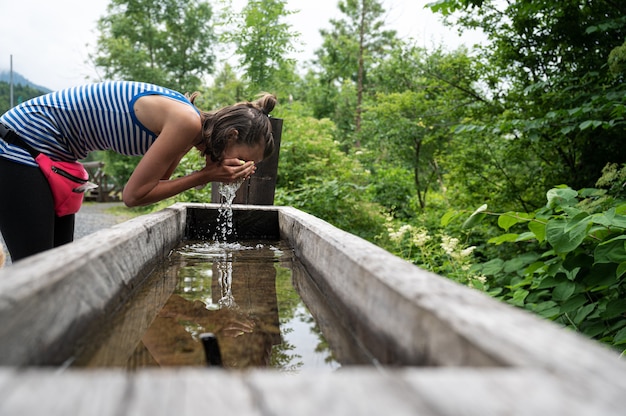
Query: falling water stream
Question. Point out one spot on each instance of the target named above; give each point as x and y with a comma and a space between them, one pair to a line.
227, 192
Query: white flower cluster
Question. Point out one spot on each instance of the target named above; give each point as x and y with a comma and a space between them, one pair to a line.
459, 263
418, 236
452, 248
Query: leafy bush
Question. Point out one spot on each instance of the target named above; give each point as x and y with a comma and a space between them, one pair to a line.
316, 176
436, 251
572, 266
394, 189
119, 167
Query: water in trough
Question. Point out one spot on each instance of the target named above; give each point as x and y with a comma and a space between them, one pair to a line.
243, 292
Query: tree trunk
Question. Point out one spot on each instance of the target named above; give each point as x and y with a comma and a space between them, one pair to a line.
359, 86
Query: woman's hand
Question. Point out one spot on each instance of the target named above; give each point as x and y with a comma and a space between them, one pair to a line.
229, 170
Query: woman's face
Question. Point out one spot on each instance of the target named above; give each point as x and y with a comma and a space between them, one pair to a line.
245, 152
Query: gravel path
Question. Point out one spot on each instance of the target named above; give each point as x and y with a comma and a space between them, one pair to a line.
91, 218
94, 216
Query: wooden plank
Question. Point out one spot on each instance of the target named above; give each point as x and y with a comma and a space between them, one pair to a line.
7, 375
509, 391
427, 320
345, 347
355, 391
190, 392
349, 391
44, 392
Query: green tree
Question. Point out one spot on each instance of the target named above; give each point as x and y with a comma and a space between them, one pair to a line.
351, 48
422, 95
264, 40
227, 88
556, 68
166, 42
319, 95
548, 62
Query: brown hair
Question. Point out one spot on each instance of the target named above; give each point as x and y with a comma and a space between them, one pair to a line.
249, 118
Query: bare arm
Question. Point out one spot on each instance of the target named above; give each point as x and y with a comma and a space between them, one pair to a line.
179, 129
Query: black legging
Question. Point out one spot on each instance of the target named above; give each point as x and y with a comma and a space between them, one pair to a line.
27, 220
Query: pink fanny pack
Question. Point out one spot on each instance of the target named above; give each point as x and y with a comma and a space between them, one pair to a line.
68, 180
68, 183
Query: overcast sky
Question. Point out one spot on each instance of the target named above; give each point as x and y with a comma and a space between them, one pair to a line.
50, 40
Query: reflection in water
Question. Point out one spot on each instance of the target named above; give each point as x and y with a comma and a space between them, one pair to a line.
241, 292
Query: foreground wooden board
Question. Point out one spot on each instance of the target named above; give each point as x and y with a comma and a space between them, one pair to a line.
350, 391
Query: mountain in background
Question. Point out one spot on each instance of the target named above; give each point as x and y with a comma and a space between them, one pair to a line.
19, 79
23, 90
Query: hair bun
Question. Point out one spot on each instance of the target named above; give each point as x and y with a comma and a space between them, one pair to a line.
266, 103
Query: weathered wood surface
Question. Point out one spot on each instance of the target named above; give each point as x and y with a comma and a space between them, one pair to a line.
113, 342
48, 300
355, 391
420, 318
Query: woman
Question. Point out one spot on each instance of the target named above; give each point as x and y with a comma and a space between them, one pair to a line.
132, 118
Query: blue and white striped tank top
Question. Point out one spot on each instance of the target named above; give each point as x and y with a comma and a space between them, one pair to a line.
68, 124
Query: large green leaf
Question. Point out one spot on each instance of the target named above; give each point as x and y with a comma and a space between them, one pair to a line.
610, 219
539, 229
580, 220
493, 267
548, 309
593, 329
550, 281
620, 337
614, 308
448, 217
534, 267
589, 123
561, 240
476, 217
504, 238
526, 236
518, 297
564, 291
583, 312
509, 219
517, 264
620, 209
611, 251
573, 303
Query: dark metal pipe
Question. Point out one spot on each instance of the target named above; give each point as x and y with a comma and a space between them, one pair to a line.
211, 349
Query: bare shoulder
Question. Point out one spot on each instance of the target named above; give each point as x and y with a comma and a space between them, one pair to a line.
156, 112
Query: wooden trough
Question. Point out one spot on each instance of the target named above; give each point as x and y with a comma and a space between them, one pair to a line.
437, 348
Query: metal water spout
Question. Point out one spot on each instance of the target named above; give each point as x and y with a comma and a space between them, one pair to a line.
211, 349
